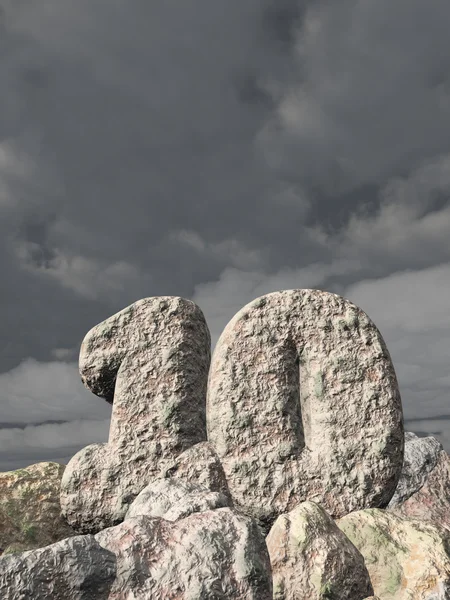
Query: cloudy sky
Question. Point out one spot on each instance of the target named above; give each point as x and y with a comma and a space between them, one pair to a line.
217, 151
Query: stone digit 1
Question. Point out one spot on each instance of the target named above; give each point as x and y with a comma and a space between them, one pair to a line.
151, 362
303, 404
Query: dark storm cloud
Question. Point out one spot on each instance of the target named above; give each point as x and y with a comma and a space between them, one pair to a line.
111, 149
217, 151
145, 135
282, 20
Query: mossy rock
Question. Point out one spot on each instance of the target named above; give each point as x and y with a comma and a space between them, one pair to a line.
30, 512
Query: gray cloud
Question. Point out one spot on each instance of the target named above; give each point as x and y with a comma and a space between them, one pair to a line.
217, 152
36, 392
372, 96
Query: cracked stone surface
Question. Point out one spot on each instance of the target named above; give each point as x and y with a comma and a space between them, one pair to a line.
303, 404
151, 361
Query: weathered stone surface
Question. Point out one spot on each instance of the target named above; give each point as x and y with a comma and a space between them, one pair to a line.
76, 568
214, 555
312, 559
405, 558
432, 501
173, 499
200, 464
195, 502
420, 458
348, 452
30, 513
151, 360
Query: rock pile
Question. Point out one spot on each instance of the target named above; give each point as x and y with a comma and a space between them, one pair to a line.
279, 471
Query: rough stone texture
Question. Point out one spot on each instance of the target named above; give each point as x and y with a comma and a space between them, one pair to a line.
338, 445
213, 555
312, 559
420, 458
151, 361
348, 452
200, 464
76, 568
196, 502
30, 513
173, 500
406, 559
432, 501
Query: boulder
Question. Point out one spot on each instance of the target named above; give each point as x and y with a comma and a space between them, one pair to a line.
424, 487
30, 512
76, 568
312, 559
173, 500
420, 458
405, 558
303, 404
213, 555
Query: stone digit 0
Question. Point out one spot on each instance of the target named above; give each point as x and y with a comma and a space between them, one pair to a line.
303, 404
151, 362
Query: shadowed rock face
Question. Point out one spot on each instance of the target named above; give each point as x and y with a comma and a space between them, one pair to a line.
30, 512
420, 459
331, 432
76, 568
424, 488
304, 427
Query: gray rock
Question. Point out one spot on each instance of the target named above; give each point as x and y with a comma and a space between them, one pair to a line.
173, 500
431, 502
421, 455
312, 559
151, 361
343, 447
213, 555
77, 568
195, 502
200, 464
